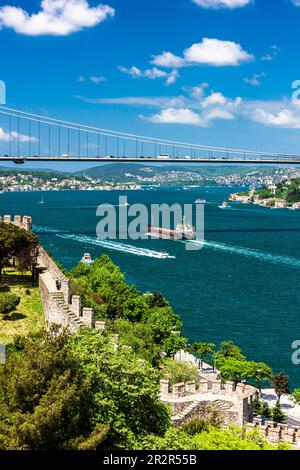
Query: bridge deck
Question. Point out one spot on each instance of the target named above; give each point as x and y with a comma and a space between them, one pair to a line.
247, 161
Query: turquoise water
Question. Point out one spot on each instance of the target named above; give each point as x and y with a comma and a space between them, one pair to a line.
243, 285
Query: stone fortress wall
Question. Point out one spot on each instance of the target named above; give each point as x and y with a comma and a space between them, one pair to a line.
24, 222
186, 399
275, 432
189, 399
60, 306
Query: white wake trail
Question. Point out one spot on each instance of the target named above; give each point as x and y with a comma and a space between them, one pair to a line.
111, 245
250, 253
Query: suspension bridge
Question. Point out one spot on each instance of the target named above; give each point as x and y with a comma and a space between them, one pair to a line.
27, 137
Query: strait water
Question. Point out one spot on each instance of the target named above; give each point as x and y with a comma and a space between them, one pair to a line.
243, 285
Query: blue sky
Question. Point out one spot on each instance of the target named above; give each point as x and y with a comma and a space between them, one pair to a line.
216, 72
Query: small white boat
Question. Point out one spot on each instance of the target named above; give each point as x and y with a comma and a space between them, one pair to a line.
200, 201
42, 200
86, 259
224, 205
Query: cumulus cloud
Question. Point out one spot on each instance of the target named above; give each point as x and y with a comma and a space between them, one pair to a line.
167, 60
14, 136
188, 116
97, 79
272, 53
199, 108
216, 53
56, 17
222, 3
149, 101
176, 116
94, 79
151, 73
287, 117
209, 51
256, 80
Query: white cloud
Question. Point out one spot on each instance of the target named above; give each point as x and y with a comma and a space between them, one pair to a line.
97, 79
200, 106
188, 116
285, 118
216, 53
14, 136
94, 78
152, 73
153, 102
168, 60
209, 51
56, 17
256, 80
176, 116
222, 3
272, 54
214, 99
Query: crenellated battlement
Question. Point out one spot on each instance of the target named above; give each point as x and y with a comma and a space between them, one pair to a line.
24, 222
190, 398
275, 432
60, 306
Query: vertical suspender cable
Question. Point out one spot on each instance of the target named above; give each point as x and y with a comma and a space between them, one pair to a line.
10, 136
18, 135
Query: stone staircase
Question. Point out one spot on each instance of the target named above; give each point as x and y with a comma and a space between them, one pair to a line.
186, 412
189, 411
58, 300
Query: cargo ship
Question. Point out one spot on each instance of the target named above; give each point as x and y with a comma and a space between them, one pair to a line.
182, 231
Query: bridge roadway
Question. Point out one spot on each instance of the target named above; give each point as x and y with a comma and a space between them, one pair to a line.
280, 160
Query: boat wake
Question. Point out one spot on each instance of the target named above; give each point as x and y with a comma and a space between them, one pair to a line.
43, 230
111, 245
250, 253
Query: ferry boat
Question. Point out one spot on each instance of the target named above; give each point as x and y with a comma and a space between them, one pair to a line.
182, 231
87, 259
224, 205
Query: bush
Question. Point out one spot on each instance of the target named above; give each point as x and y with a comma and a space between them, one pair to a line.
8, 303
177, 372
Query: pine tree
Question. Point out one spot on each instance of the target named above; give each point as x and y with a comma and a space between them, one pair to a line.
257, 405
265, 410
277, 414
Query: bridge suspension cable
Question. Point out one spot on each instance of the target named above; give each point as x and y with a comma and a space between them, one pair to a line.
105, 142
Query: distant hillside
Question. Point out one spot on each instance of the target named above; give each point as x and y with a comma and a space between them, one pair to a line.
116, 171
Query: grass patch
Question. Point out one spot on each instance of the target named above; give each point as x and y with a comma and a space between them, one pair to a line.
28, 316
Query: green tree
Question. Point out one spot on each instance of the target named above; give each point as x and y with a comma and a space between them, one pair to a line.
265, 410
13, 241
257, 405
260, 373
296, 396
277, 414
44, 398
8, 302
280, 383
234, 438
124, 389
177, 372
228, 350
202, 350
235, 370
139, 337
